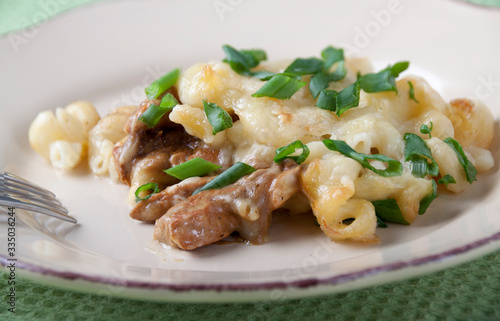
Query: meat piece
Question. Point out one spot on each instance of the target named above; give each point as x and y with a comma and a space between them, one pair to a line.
161, 147
245, 207
157, 205
149, 167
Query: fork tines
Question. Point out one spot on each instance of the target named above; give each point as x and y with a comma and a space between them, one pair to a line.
18, 192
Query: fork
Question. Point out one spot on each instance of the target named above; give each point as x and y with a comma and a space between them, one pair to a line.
20, 193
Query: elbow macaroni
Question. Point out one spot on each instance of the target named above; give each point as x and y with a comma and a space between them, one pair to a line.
329, 184
102, 139
62, 137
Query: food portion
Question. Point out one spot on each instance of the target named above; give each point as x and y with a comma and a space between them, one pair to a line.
217, 149
244, 207
62, 137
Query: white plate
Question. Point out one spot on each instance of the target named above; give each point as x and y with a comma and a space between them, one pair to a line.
108, 52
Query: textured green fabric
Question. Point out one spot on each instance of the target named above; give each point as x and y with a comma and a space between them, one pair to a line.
490, 3
467, 292
18, 14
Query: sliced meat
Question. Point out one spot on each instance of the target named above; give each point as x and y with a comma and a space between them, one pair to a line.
167, 143
158, 204
244, 207
134, 126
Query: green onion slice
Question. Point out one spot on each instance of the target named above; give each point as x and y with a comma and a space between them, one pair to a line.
447, 179
193, 167
280, 87
394, 168
332, 55
383, 80
217, 117
388, 210
348, 98
253, 57
168, 101
424, 129
427, 200
380, 222
286, 151
267, 75
236, 60
144, 188
327, 99
341, 101
305, 66
418, 153
412, 92
339, 73
243, 60
398, 68
322, 77
229, 176
162, 84
318, 82
153, 114
470, 170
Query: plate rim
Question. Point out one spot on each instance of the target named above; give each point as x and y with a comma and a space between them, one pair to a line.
451, 257
461, 254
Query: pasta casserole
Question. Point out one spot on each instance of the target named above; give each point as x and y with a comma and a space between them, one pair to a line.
215, 150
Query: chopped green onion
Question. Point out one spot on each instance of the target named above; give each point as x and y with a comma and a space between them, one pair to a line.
412, 92
447, 179
318, 82
327, 99
217, 117
348, 98
470, 170
339, 73
153, 114
383, 80
236, 60
267, 75
286, 151
427, 200
380, 222
388, 210
322, 77
280, 87
253, 57
416, 153
168, 101
331, 56
243, 60
193, 167
144, 188
424, 129
229, 176
341, 101
160, 85
264, 74
394, 168
302, 66
398, 68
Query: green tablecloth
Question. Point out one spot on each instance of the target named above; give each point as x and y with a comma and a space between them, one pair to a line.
470, 291
467, 292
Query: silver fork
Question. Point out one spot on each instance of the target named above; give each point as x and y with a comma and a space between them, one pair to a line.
20, 193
